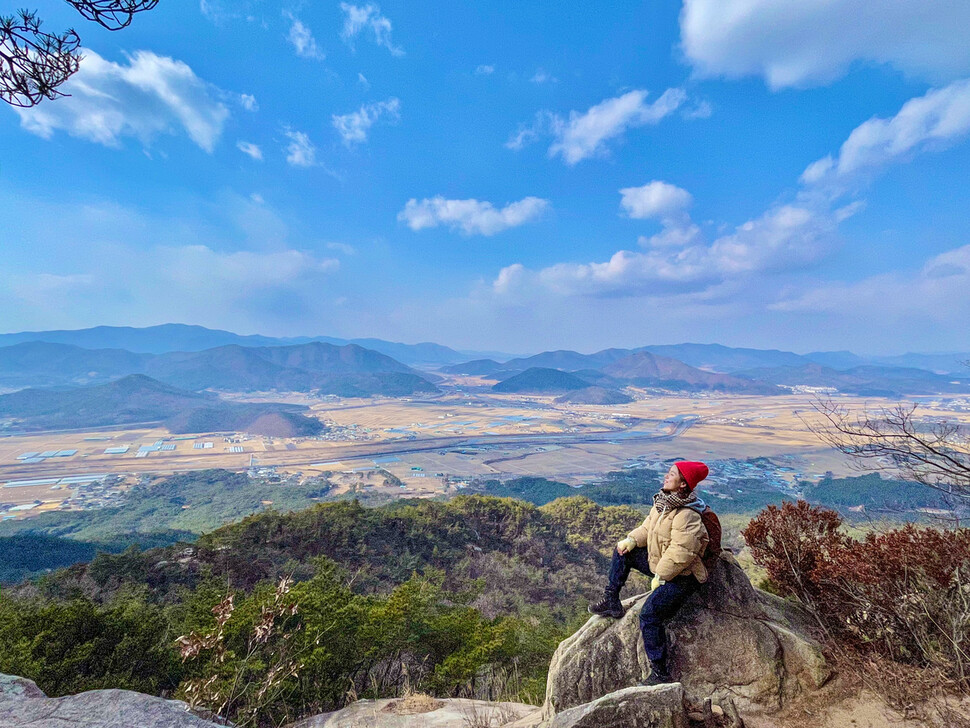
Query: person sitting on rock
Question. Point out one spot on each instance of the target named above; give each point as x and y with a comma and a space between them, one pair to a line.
667, 547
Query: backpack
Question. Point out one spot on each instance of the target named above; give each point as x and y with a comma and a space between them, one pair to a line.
713, 551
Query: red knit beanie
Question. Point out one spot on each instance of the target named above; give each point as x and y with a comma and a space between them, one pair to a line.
692, 472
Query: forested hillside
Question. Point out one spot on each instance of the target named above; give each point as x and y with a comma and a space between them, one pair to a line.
463, 597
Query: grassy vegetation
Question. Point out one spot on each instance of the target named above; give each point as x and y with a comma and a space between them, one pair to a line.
465, 594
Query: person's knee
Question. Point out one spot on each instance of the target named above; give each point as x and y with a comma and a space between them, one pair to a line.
648, 616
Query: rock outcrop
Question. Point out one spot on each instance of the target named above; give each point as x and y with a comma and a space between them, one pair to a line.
447, 713
660, 706
729, 640
22, 703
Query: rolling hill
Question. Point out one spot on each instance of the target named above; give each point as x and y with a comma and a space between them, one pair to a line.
348, 370
646, 369
867, 381
595, 395
183, 337
137, 398
540, 380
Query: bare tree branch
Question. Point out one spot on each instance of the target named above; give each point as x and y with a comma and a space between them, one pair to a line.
112, 14
936, 455
34, 63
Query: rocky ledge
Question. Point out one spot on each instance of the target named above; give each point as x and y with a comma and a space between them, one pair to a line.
729, 641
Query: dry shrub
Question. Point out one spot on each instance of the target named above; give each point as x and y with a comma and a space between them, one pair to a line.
903, 595
240, 686
413, 704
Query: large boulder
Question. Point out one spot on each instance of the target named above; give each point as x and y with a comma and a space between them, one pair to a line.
728, 640
659, 706
22, 703
426, 713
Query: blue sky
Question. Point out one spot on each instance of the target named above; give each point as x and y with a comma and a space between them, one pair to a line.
509, 175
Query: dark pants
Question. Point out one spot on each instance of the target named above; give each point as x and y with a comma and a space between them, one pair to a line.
661, 605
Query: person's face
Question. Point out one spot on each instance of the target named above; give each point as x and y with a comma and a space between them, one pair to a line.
673, 480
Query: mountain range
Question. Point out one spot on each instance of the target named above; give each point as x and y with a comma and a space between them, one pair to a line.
183, 337
348, 370
139, 399
171, 354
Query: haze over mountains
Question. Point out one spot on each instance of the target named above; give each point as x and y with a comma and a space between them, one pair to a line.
349, 370
258, 363
184, 337
137, 399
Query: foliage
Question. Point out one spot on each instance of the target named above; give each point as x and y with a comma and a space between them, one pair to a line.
462, 598
239, 684
903, 593
34, 63
538, 491
184, 504
874, 492
893, 439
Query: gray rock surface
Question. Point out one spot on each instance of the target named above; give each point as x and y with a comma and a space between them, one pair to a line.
22, 704
659, 706
728, 640
452, 713
18, 688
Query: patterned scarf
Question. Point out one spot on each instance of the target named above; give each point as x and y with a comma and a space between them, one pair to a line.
665, 501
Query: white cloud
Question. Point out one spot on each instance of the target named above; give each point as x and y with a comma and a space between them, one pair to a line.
938, 117
542, 76
471, 217
149, 95
343, 248
784, 237
485, 70
361, 18
248, 102
585, 134
655, 199
700, 109
934, 299
808, 42
362, 80
300, 152
353, 127
250, 149
301, 38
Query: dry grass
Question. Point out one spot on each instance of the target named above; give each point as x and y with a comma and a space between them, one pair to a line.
413, 704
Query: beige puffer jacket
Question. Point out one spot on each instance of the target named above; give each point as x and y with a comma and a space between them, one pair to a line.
675, 539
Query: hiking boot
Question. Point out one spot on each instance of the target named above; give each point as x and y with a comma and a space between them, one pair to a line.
609, 606
657, 677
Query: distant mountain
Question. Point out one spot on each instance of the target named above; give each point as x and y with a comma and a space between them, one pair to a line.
725, 359
835, 359
955, 363
349, 370
474, 368
426, 354
595, 395
149, 340
320, 357
867, 381
38, 363
137, 398
183, 337
647, 369
566, 360
539, 380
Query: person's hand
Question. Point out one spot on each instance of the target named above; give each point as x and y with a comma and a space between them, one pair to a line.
625, 545
655, 582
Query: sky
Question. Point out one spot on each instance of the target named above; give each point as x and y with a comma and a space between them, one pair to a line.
513, 176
